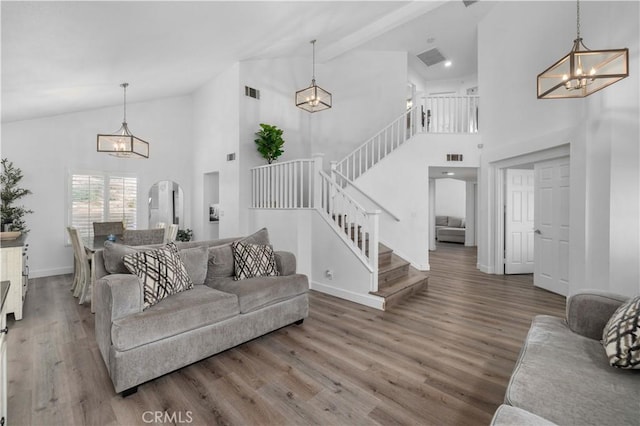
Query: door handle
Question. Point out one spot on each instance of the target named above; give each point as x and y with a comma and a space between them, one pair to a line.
537, 232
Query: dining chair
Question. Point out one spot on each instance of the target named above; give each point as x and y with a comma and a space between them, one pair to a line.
172, 233
82, 276
161, 225
107, 228
143, 237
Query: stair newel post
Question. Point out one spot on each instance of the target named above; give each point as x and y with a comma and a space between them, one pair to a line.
373, 241
317, 180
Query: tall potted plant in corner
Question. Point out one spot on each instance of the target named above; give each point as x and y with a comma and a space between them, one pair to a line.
269, 142
12, 216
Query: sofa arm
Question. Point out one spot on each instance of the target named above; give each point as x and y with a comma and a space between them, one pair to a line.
117, 296
589, 310
286, 262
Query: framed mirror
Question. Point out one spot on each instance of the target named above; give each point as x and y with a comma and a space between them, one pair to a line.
166, 204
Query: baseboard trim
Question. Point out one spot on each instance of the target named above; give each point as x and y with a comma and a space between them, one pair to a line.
39, 273
485, 269
362, 299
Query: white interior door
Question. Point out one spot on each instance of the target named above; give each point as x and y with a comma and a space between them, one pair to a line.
552, 226
519, 222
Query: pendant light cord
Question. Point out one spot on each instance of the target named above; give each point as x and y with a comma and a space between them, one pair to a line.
124, 86
578, 18
313, 66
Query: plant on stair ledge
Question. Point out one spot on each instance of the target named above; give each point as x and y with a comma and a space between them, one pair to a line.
269, 142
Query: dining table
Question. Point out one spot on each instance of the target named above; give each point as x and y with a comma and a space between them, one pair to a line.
92, 245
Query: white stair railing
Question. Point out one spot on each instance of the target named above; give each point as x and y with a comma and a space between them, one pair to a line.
380, 145
287, 185
450, 114
357, 227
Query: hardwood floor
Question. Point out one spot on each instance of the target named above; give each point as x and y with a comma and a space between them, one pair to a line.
443, 357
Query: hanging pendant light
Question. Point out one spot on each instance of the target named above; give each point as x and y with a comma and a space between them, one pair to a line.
313, 98
582, 71
123, 143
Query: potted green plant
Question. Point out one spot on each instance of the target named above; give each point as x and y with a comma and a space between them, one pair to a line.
12, 216
184, 235
269, 142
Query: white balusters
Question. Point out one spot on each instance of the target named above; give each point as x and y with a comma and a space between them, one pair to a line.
287, 185
451, 114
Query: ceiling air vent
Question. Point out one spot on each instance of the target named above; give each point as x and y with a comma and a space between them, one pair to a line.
468, 3
251, 92
431, 57
454, 157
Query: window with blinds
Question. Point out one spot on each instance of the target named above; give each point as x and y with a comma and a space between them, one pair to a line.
102, 197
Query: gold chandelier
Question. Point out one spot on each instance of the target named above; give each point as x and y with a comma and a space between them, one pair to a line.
122, 143
313, 98
582, 71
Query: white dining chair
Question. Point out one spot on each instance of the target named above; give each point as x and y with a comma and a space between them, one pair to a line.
172, 233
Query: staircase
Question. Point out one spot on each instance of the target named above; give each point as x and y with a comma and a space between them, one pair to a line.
397, 279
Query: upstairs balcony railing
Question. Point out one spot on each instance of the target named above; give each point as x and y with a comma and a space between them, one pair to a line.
449, 114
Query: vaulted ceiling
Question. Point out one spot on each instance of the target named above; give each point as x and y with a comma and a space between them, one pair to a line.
60, 57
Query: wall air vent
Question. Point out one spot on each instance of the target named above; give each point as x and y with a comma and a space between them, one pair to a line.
454, 157
468, 3
231, 157
251, 92
431, 57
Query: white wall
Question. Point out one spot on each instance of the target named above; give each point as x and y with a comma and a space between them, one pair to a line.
216, 120
400, 182
47, 148
451, 197
369, 91
602, 130
457, 86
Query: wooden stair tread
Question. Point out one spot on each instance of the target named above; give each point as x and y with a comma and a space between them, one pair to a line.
382, 249
412, 277
402, 288
395, 263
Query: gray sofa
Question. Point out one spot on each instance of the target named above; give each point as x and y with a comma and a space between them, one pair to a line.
217, 314
450, 229
563, 376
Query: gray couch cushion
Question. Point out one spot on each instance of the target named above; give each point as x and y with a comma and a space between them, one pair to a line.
566, 378
258, 292
507, 415
454, 222
113, 255
442, 220
195, 260
176, 314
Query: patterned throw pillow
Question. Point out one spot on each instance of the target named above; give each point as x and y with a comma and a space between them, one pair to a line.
621, 336
161, 272
253, 260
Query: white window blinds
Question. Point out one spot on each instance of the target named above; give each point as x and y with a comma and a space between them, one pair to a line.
101, 197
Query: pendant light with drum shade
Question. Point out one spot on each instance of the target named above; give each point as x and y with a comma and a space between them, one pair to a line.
582, 71
122, 143
313, 98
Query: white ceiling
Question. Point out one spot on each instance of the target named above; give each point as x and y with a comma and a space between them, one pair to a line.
60, 57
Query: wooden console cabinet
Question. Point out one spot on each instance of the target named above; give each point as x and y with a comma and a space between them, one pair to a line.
5, 286
14, 268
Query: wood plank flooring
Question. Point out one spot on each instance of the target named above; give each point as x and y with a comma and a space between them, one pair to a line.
443, 357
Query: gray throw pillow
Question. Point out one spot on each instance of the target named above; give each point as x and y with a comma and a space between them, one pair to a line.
441, 221
195, 260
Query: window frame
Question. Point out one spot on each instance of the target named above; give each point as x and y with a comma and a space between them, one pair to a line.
106, 213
